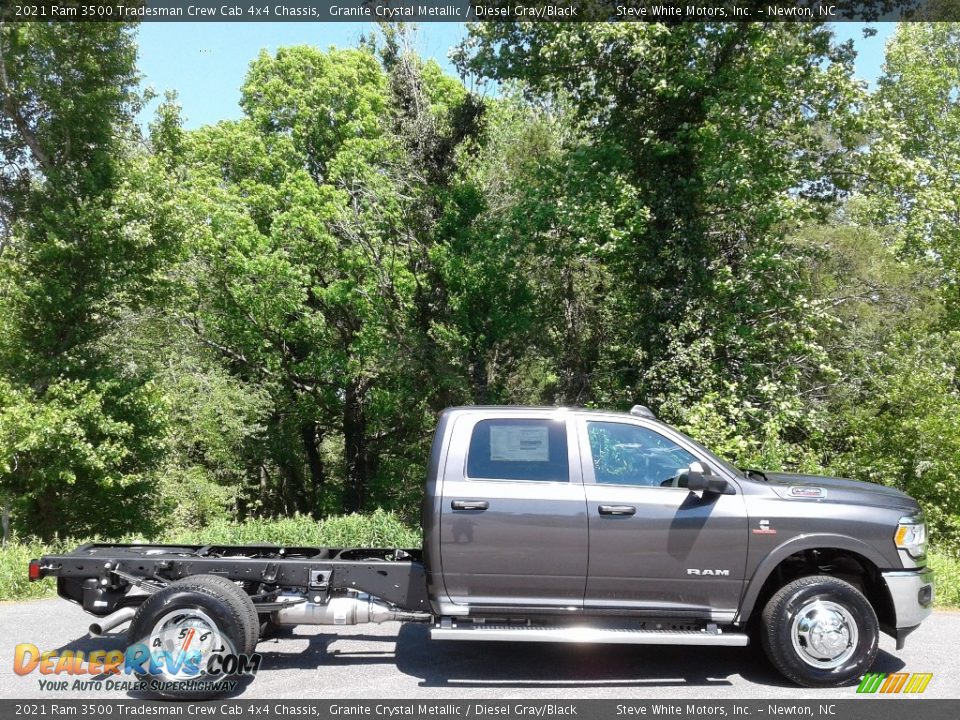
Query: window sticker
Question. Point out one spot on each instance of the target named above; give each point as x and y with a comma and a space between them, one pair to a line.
523, 443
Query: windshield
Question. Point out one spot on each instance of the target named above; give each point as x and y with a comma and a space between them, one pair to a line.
733, 469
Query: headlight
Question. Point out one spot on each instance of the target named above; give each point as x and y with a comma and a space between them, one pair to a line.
911, 535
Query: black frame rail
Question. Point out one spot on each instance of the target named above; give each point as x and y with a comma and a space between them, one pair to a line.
394, 575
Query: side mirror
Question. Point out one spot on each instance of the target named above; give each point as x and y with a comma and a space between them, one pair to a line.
699, 479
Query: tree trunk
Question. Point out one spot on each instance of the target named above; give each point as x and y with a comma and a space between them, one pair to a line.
355, 447
266, 501
576, 373
311, 442
293, 494
479, 378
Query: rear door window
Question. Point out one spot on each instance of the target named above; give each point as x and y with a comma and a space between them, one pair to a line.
519, 449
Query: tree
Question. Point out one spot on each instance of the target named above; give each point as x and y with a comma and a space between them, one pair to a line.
691, 151
311, 263
896, 344
84, 233
915, 160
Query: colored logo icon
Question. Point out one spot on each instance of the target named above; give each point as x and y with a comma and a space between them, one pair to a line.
890, 683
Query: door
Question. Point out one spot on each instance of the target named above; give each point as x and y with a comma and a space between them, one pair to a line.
654, 545
513, 520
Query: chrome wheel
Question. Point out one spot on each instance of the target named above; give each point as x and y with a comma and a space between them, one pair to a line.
824, 634
181, 642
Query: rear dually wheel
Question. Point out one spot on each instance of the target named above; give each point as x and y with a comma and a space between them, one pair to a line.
183, 626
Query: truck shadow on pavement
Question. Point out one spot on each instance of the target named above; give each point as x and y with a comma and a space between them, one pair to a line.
88, 644
514, 665
521, 665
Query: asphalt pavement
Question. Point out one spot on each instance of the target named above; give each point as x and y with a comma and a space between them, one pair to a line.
400, 661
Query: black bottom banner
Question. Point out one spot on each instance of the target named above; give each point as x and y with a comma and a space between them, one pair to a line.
864, 708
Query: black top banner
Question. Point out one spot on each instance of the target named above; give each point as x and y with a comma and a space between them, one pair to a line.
660, 11
489, 709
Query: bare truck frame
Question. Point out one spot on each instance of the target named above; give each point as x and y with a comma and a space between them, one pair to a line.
110, 581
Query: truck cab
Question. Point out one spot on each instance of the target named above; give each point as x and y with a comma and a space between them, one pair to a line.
572, 512
612, 521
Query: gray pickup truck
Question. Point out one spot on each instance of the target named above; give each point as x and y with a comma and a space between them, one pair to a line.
553, 525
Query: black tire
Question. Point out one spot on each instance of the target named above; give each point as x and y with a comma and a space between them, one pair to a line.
229, 609
243, 604
797, 655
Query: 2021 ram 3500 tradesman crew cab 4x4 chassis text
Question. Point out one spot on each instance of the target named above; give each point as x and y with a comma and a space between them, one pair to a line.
568, 525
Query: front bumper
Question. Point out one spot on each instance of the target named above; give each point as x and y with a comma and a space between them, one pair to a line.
912, 594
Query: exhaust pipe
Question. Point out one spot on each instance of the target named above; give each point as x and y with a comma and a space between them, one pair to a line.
105, 625
344, 610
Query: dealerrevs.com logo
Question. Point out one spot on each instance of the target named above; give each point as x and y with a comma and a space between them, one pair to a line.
891, 683
139, 667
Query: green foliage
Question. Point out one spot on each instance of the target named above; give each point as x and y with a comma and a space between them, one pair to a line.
649, 217
748, 435
906, 431
947, 578
14, 559
214, 419
67, 458
893, 404
309, 269
262, 318
86, 229
376, 529
915, 157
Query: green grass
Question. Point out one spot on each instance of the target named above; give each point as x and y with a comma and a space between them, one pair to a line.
14, 584
947, 588
377, 529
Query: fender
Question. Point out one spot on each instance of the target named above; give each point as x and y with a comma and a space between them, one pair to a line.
796, 544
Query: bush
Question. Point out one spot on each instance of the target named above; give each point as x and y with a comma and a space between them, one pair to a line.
947, 568
77, 458
14, 558
378, 529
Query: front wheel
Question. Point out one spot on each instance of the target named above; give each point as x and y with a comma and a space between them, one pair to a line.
819, 631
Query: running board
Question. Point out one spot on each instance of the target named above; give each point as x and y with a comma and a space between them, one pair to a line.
589, 635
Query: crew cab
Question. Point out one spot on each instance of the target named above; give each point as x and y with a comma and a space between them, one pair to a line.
558, 525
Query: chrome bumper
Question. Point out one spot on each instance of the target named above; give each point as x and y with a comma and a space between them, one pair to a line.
912, 595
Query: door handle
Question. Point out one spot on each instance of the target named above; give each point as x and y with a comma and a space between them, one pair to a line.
617, 510
470, 505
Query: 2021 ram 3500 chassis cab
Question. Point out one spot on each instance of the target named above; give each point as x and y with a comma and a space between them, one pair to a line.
546, 524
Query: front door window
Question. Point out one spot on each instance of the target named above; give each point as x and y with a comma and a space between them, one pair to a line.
633, 455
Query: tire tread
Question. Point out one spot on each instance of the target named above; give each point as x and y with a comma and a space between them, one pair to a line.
229, 595
236, 599
774, 614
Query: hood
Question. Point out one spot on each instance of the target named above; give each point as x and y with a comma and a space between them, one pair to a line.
793, 486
